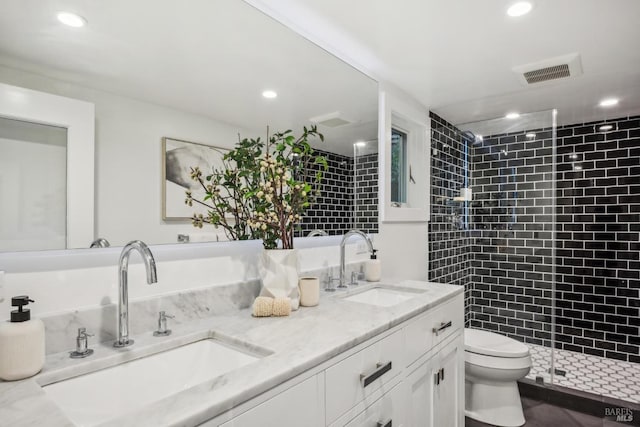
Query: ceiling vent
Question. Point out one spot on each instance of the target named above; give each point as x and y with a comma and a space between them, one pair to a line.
332, 120
550, 69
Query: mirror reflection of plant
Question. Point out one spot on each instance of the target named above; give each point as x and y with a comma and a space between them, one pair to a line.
226, 190
262, 192
288, 185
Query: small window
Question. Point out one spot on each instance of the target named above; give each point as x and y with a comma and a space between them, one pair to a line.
398, 166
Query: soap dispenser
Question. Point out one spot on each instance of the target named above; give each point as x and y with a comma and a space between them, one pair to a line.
372, 270
21, 343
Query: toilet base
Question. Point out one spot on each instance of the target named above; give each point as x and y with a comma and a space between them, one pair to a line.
496, 403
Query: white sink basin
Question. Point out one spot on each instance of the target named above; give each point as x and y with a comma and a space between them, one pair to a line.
384, 297
96, 397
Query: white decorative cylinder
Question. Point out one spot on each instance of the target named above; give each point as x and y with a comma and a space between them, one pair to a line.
309, 291
279, 272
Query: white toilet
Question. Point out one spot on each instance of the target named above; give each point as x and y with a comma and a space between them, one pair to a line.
493, 365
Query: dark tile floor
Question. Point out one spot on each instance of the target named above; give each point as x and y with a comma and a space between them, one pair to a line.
541, 414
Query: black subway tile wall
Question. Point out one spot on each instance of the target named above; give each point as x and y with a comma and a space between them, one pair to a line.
597, 206
366, 192
598, 235
512, 223
449, 241
333, 209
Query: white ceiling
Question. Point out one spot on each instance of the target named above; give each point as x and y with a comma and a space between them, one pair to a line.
215, 57
457, 56
212, 58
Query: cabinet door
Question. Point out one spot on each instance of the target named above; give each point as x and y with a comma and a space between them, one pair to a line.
448, 390
419, 387
388, 411
301, 405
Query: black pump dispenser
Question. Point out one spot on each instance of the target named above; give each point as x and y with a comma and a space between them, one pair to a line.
20, 315
373, 254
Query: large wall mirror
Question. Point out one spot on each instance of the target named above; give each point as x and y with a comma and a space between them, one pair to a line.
191, 72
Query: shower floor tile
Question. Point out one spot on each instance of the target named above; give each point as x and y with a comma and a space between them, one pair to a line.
593, 374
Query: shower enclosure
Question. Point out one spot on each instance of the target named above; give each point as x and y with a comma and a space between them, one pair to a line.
549, 221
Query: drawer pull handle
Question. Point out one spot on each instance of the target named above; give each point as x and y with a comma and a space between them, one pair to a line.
442, 327
380, 370
385, 424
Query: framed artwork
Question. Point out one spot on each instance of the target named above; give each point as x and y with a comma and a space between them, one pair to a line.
178, 157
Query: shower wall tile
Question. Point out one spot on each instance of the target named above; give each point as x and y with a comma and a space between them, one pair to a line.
597, 231
449, 240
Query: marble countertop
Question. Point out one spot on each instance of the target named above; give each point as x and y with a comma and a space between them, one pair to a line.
307, 338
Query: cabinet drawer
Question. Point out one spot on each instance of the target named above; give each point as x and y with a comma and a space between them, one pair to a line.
388, 411
301, 405
351, 380
432, 328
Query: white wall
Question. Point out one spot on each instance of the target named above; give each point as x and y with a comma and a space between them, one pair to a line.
403, 234
128, 156
62, 281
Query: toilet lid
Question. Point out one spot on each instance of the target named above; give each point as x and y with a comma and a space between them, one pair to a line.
492, 344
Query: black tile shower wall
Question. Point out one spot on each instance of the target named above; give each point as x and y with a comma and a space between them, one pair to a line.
366, 193
598, 235
512, 223
597, 207
449, 240
332, 211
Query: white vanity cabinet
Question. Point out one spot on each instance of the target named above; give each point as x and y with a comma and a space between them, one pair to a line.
409, 376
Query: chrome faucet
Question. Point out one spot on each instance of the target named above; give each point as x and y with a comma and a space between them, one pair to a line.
123, 297
342, 251
317, 233
100, 242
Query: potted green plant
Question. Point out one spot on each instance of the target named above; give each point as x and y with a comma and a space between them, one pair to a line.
262, 192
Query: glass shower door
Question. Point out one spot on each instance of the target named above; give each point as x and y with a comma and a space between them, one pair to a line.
511, 218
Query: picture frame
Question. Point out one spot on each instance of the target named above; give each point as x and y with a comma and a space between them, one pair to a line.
178, 157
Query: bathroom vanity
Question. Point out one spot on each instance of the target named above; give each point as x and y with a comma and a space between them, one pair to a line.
374, 355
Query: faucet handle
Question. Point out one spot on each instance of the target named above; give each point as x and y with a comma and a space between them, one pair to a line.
354, 278
329, 287
83, 332
82, 345
162, 324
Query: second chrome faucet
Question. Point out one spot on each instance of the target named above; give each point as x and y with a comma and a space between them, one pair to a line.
346, 237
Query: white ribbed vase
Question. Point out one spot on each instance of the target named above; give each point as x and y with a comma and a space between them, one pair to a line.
279, 272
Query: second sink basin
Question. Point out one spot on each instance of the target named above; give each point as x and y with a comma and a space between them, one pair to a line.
383, 296
96, 397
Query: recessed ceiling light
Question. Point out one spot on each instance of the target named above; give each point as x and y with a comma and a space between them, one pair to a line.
609, 102
605, 128
512, 116
530, 135
520, 8
360, 144
269, 94
71, 19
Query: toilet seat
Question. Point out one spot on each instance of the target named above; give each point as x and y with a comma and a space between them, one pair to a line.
500, 363
487, 343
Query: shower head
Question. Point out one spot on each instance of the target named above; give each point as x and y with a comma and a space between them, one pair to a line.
471, 137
